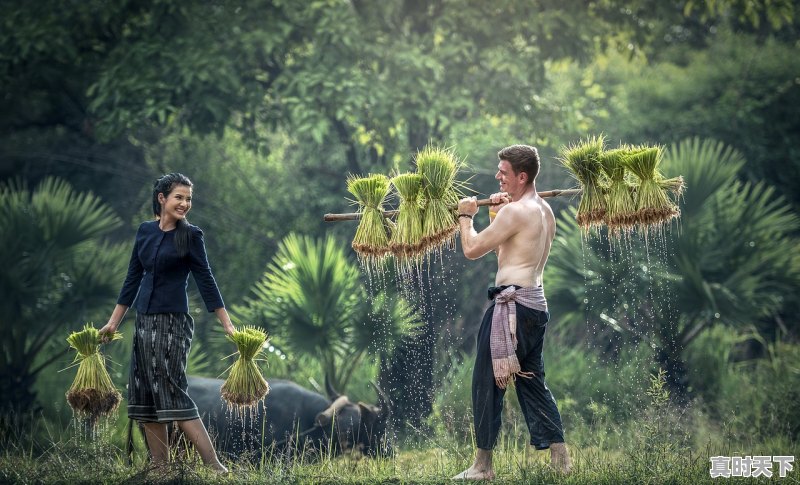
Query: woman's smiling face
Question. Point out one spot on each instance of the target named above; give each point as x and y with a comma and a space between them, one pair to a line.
177, 204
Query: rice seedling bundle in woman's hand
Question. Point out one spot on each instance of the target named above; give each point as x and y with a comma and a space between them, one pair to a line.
583, 162
371, 241
406, 240
438, 168
620, 204
653, 205
92, 393
245, 386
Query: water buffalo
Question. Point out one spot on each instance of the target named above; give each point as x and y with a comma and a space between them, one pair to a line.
292, 420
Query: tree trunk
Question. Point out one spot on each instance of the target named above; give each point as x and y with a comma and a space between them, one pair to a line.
17, 403
408, 378
677, 376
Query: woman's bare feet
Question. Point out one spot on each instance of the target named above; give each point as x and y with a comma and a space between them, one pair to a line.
218, 468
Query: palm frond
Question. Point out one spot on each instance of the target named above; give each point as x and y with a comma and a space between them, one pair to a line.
706, 165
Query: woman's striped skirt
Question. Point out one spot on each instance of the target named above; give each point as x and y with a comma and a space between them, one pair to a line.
157, 384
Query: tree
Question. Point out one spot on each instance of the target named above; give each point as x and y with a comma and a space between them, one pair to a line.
730, 261
739, 91
358, 86
56, 273
312, 301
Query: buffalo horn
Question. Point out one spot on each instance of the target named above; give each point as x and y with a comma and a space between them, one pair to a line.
325, 417
384, 403
332, 394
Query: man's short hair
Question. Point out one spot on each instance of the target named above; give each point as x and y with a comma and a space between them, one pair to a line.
523, 158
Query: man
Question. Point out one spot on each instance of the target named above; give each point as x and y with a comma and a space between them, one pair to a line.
511, 336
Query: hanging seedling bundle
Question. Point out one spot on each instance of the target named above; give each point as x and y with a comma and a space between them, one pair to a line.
622, 188
674, 185
406, 239
92, 393
620, 204
371, 241
245, 386
438, 168
583, 162
653, 205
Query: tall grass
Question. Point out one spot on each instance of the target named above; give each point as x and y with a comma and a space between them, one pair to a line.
620, 424
648, 458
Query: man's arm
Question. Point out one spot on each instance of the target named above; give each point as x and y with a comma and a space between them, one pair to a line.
474, 244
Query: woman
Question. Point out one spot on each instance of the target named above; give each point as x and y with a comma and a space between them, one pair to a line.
164, 253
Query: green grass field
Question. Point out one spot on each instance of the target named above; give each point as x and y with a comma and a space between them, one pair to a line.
72, 456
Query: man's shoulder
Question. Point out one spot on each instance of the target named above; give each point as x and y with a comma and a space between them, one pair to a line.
530, 208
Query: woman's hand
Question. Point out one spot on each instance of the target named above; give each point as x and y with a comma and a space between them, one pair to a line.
108, 331
225, 320
113, 323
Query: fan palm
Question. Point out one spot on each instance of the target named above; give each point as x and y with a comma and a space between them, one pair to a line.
55, 272
312, 301
732, 260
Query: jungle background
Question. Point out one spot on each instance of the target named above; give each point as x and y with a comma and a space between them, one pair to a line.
268, 105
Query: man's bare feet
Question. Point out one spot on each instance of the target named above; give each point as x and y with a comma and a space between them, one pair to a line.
473, 473
481, 468
559, 458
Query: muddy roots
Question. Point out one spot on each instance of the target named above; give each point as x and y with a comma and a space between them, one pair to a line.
91, 402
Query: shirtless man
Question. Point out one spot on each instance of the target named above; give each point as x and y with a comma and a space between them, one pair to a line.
511, 336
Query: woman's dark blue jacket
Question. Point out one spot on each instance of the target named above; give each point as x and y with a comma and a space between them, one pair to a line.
157, 278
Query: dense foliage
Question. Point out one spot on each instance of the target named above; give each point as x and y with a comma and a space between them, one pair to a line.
268, 105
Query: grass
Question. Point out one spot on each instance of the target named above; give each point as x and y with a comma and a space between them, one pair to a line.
646, 439
77, 457
75, 462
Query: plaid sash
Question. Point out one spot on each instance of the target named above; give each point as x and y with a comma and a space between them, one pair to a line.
503, 340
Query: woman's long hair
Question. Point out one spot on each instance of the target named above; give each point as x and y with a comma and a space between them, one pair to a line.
164, 185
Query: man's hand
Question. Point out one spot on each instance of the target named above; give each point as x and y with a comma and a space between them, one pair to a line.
499, 200
468, 205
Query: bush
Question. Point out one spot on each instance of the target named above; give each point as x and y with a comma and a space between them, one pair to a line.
753, 399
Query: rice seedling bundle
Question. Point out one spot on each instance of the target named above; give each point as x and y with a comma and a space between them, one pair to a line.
371, 241
438, 168
674, 185
245, 386
653, 205
406, 239
92, 393
583, 162
620, 204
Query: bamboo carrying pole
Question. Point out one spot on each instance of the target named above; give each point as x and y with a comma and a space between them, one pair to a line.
354, 216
